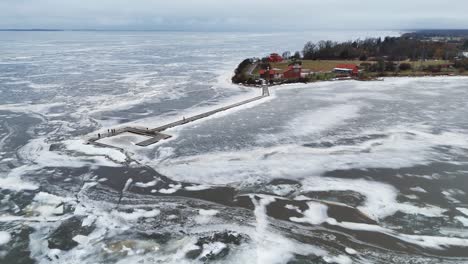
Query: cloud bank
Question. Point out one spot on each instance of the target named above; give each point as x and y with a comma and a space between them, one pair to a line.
233, 14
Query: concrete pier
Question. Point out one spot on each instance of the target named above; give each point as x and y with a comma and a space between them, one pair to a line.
155, 134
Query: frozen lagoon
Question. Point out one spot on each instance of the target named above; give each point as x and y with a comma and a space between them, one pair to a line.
340, 172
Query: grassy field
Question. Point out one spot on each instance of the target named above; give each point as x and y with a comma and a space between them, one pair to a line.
328, 65
419, 65
428, 62
316, 65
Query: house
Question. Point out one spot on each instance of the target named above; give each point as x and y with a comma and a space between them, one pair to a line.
275, 57
351, 69
270, 74
293, 72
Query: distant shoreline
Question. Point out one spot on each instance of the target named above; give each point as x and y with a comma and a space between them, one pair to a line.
30, 30
85, 30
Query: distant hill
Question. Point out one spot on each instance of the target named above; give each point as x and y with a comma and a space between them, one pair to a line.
430, 33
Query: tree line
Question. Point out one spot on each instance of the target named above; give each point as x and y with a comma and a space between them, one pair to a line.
390, 48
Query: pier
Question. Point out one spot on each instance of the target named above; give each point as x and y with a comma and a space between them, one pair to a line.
154, 134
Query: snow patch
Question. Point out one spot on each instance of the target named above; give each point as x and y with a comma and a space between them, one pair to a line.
462, 220
209, 212
418, 189
434, 242
463, 210
136, 214
350, 251
315, 214
82, 147
173, 188
146, 185
212, 249
341, 259
197, 187
5, 237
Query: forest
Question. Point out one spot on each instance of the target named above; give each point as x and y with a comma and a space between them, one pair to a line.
389, 48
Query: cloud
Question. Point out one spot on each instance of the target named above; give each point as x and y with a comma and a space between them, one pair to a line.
233, 14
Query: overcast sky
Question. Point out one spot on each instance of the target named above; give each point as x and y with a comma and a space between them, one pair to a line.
242, 15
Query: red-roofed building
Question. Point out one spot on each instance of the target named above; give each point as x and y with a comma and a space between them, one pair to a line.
351, 69
293, 72
275, 57
273, 74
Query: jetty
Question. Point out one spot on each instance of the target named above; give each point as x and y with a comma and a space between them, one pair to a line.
155, 135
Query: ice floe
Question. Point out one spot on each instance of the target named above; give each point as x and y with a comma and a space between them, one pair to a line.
5, 237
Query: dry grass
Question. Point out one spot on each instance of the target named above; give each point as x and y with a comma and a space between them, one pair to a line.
427, 63
316, 65
329, 65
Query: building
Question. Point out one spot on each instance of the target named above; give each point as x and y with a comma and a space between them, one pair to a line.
293, 72
270, 74
351, 69
275, 57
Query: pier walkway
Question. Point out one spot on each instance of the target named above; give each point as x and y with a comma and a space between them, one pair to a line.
154, 134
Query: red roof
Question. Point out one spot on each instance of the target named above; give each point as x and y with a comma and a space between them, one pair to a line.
275, 57
263, 72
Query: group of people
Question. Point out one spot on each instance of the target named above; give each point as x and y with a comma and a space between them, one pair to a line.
109, 131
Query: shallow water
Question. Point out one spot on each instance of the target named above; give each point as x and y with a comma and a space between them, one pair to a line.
334, 172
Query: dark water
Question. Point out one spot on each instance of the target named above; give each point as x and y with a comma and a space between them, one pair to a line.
340, 172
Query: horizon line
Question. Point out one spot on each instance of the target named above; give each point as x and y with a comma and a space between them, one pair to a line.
205, 30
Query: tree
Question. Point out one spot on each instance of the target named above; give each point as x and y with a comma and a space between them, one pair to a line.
309, 50
405, 66
461, 64
365, 66
378, 67
439, 53
240, 76
286, 55
363, 57
392, 48
390, 66
297, 55
465, 45
344, 54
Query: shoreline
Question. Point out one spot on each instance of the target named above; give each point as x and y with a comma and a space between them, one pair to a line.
376, 79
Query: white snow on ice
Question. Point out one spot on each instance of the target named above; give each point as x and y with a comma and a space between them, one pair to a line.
5, 237
315, 214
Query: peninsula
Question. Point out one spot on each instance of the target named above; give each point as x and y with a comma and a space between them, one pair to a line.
422, 53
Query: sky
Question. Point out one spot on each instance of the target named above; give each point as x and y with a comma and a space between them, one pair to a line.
232, 15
